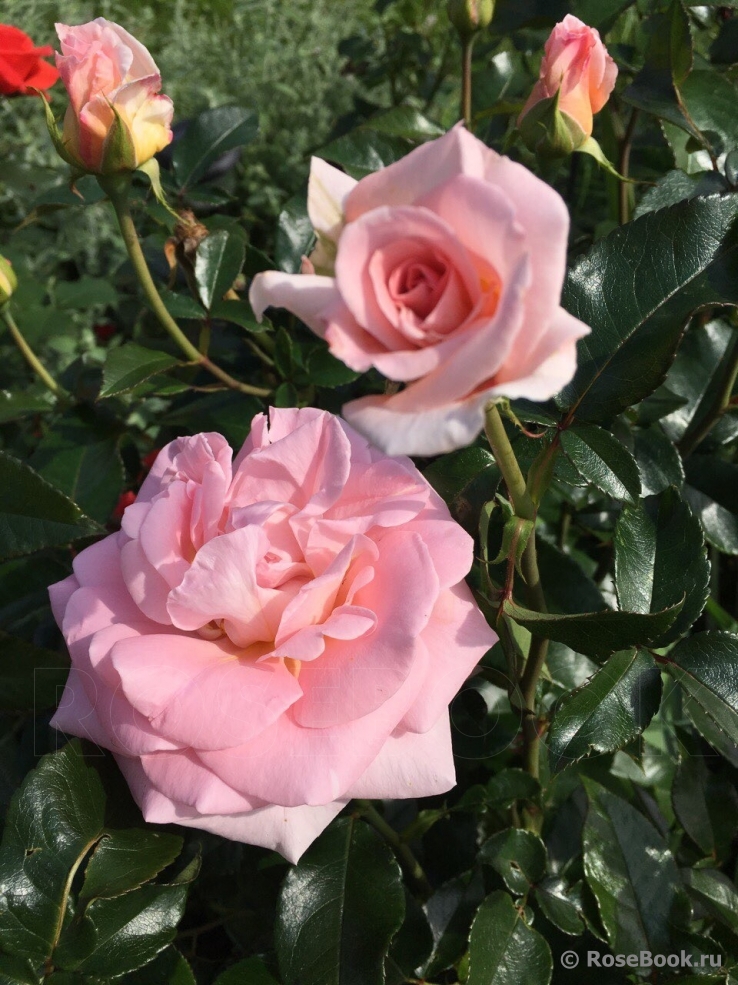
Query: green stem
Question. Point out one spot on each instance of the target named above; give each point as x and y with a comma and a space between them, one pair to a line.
466, 81
524, 507
402, 850
118, 193
30, 356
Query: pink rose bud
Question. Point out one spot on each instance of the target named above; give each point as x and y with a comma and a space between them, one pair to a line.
116, 121
8, 280
273, 634
444, 271
576, 79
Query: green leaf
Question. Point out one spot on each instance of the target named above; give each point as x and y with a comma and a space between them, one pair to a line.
518, 856
705, 804
14, 406
35, 515
85, 293
211, 134
600, 13
80, 456
668, 63
595, 634
130, 365
716, 892
295, 235
230, 414
603, 461
364, 151
711, 492
503, 949
251, 971
124, 860
709, 98
339, 909
658, 461
31, 678
182, 306
566, 586
637, 319
705, 665
450, 911
239, 313
660, 559
404, 121
217, 264
169, 968
323, 369
451, 474
560, 905
607, 712
631, 872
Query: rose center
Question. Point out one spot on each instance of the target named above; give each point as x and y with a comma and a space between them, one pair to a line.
418, 285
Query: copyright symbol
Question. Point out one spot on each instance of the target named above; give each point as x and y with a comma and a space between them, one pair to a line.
569, 959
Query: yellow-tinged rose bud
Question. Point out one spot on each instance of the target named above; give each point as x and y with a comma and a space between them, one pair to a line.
470, 16
116, 120
8, 280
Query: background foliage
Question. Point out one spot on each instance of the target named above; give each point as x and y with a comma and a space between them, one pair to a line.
626, 842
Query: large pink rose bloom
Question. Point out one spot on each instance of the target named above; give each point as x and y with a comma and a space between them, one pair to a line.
106, 72
266, 638
444, 271
577, 66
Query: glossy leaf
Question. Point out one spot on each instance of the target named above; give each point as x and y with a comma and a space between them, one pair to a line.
339, 908
660, 559
602, 461
560, 905
518, 856
364, 150
124, 860
324, 369
294, 235
450, 911
169, 968
130, 365
631, 872
596, 634
637, 319
711, 492
251, 971
503, 949
608, 711
717, 893
658, 461
705, 666
211, 134
34, 514
567, 587
705, 804
217, 264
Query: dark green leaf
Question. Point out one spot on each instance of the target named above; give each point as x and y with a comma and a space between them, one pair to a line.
413, 943
608, 711
81, 458
711, 733
404, 121
636, 318
600, 13
182, 306
631, 872
560, 905
325, 370
239, 313
169, 968
217, 264
660, 559
518, 856
363, 151
294, 235
567, 587
450, 474
705, 804
85, 292
211, 134
503, 949
124, 860
33, 514
716, 892
658, 461
711, 491
16, 405
31, 678
705, 666
710, 99
228, 413
596, 634
603, 461
450, 911
130, 365
339, 909
252, 971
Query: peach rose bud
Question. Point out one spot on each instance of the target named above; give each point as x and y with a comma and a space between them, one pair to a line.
470, 16
8, 281
576, 79
116, 120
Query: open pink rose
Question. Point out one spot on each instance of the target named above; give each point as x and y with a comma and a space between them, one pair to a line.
106, 72
444, 271
575, 65
266, 638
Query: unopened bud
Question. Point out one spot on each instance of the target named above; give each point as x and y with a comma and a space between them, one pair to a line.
8, 280
470, 16
548, 132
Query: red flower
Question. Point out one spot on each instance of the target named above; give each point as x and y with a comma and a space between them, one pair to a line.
22, 67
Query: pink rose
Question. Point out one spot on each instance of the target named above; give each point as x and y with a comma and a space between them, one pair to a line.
444, 271
106, 72
575, 65
266, 638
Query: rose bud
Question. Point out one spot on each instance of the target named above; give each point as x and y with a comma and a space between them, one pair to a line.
576, 79
273, 634
470, 16
444, 272
116, 121
8, 280
22, 65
